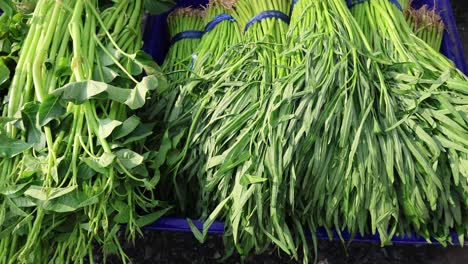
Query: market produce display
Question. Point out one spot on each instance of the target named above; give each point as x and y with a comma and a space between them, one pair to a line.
277, 117
185, 27
331, 134
338, 125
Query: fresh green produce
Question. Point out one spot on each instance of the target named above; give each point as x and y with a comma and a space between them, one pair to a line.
221, 33
179, 59
73, 169
279, 117
228, 134
429, 157
185, 27
333, 97
186, 30
427, 25
331, 113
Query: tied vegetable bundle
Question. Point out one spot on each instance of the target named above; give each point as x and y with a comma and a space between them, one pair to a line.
231, 93
72, 168
221, 33
330, 114
430, 97
228, 137
185, 26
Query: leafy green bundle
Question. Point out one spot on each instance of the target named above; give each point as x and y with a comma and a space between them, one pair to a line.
221, 34
326, 119
185, 27
430, 103
227, 133
179, 56
72, 168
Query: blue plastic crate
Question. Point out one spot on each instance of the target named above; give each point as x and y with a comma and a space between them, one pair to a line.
156, 42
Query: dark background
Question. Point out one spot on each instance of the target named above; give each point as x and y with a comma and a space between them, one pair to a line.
169, 247
460, 10
178, 248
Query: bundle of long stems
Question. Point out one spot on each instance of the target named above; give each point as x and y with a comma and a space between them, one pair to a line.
186, 30
228, 130
333, 103
427, 25
430, 97
222, 33
218, 37
69, 174
179, 56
